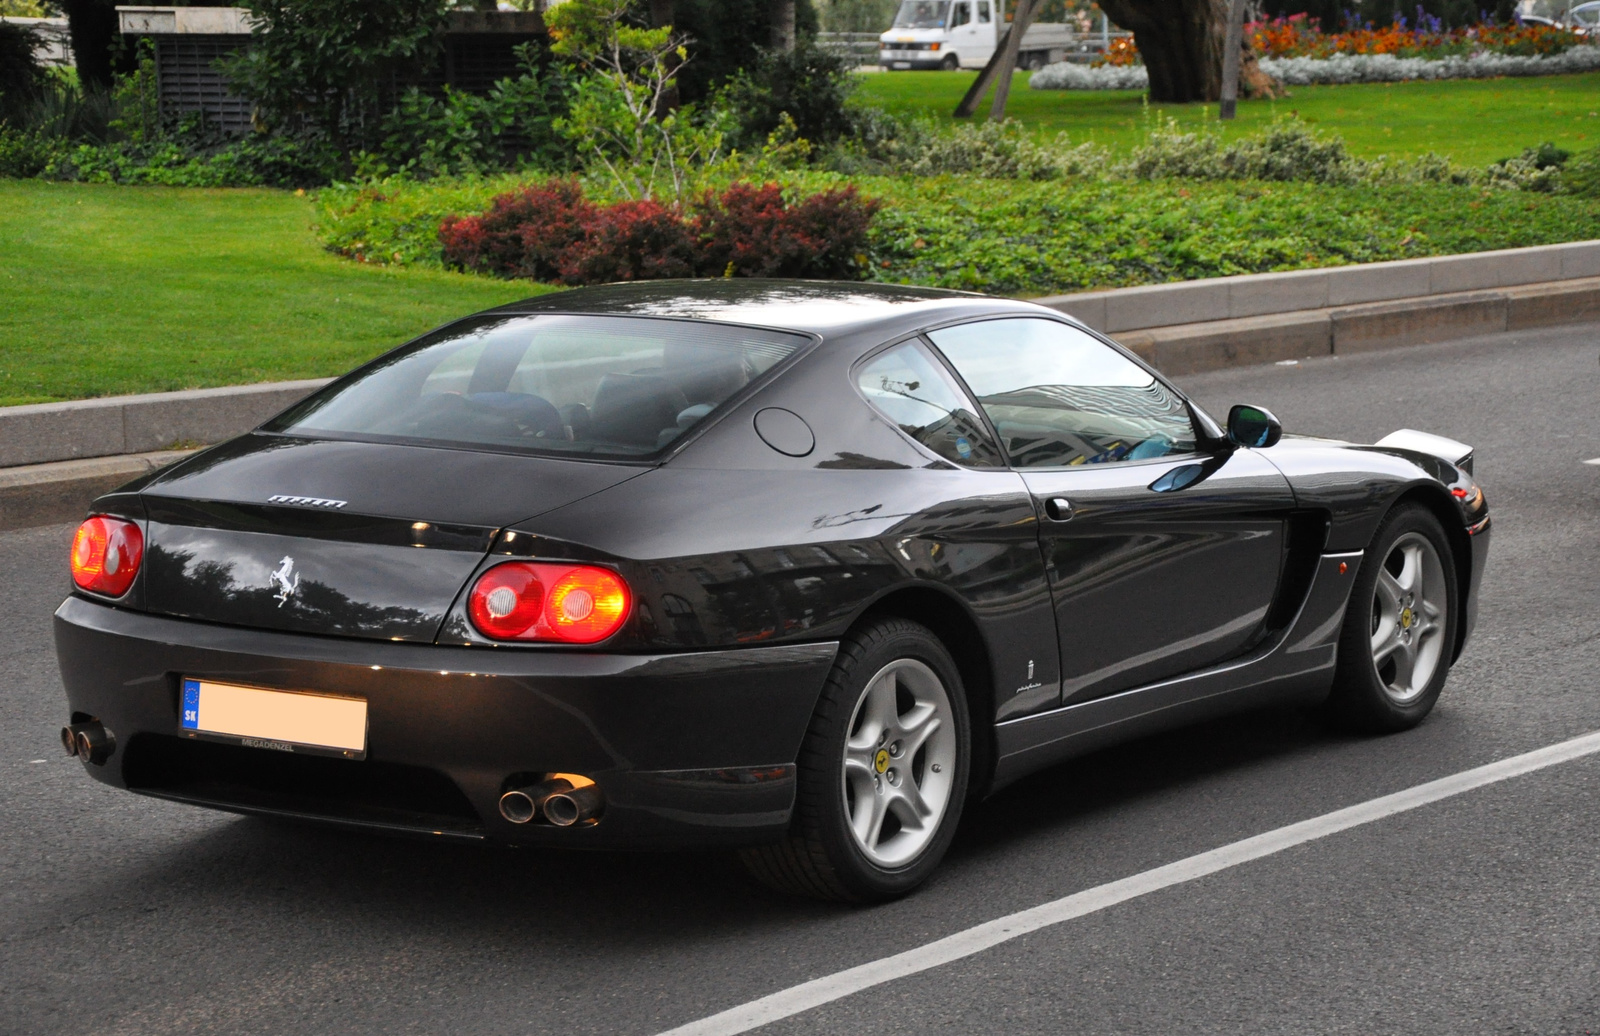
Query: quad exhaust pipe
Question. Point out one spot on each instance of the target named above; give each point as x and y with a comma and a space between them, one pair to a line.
90, 741
566, 808
557, 800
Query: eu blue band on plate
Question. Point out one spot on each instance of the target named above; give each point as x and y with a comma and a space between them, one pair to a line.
191, 704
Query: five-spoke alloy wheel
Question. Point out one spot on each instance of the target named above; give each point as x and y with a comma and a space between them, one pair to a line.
882, 773
1400, 626
1409, 604
899, 762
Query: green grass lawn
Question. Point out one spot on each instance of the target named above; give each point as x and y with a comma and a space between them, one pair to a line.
106, 290
1472, 121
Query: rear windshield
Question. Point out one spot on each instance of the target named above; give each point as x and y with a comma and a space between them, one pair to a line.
587, 386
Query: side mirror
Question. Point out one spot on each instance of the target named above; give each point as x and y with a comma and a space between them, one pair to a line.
1253, 427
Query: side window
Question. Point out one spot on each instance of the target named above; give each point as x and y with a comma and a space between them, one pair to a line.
1059, 397
983, 12
960, 14
911, 388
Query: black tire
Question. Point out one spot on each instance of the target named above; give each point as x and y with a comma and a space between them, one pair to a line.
950, 63
1365, 697
820, 857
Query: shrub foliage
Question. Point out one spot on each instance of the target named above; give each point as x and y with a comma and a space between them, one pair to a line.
551, 232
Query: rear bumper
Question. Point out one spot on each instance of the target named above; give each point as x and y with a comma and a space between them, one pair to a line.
689, 749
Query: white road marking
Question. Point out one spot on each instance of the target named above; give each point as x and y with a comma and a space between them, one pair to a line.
1595, 461
792, 1001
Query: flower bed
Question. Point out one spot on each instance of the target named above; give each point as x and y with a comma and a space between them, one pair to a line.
1343, 68
1299, 37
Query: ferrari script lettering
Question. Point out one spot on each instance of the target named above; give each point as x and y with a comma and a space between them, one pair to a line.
306, 501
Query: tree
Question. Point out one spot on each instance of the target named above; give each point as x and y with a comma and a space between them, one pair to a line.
725, 37
1181, 42
326, 67
22, 78
782, 25
1001, 65
92, 26
619, 116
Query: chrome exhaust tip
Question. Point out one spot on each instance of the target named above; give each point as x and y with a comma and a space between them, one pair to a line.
522, 805
565, 808
91, 742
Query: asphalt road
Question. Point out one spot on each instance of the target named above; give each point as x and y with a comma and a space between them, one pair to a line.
1474, 915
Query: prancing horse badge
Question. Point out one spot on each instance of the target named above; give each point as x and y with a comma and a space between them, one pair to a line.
281, 579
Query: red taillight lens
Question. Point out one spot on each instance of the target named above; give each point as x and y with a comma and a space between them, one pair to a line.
106, 554
529, 600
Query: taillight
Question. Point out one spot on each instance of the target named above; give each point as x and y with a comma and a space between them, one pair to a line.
106, 554
535, 600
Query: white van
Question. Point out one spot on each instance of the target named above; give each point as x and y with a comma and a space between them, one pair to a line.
953, 34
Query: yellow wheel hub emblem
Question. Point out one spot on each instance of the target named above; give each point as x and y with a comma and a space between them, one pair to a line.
1406, 617
880, 761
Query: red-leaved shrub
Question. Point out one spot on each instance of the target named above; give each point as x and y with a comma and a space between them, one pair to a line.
551, 232
751, 232
524, 233
630, 241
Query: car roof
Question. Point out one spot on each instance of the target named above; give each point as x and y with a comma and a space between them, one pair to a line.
825, 308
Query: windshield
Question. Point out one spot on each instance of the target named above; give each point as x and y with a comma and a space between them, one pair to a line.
921, 14
583, 386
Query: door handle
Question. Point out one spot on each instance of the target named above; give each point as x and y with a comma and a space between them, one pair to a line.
1058, 509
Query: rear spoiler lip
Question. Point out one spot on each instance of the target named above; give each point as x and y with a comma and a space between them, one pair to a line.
1457, 453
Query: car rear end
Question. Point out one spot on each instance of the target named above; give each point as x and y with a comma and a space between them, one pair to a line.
327, 618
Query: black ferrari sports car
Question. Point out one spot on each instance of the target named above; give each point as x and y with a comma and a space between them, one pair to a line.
797, 568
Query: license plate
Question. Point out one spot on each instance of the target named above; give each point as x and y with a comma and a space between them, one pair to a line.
902, 64
283, 721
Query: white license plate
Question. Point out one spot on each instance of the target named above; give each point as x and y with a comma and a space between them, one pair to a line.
902, 64
280, 720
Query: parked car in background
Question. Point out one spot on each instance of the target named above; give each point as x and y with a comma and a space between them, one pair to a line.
1584, 18
952, 34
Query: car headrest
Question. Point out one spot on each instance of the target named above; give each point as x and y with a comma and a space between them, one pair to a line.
635, 408
704, 375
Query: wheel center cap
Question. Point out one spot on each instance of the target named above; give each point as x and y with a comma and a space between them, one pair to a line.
880, 762
1406, 617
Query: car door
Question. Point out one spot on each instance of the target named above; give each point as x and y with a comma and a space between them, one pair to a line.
963, 30
1164, 549
984, 35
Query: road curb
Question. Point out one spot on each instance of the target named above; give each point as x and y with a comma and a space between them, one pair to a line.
44, 494
119, 425
1181, 349
1263, 294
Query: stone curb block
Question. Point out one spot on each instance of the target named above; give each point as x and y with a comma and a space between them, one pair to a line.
44, 494
119, 425
1248, 295
1385, 325
1211, 345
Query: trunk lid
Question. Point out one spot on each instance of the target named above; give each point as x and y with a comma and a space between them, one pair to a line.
353, 539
